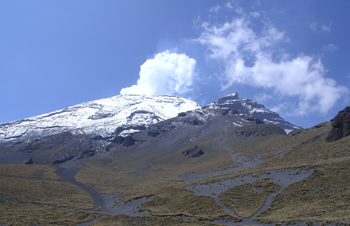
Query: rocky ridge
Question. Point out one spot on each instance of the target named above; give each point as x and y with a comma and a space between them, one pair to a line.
248, 107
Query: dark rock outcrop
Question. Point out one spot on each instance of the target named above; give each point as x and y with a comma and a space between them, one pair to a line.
118, 140
194, 121
125, 141
161, 127
250, 118
129, 141
193, 152
225, 111
182, 114
340, 125
30, 161
65, 159
153, 133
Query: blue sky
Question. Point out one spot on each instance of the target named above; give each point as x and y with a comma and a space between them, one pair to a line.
291, 56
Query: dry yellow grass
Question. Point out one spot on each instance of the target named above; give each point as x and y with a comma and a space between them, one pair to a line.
29, 171
32, 194
51, 192
121, 220
245, 200
324, 196
21, 214
176, 202
40, 185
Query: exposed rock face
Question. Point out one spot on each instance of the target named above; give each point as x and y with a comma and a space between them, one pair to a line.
261, 130
340, 125
193, 152
59, 148
201, 117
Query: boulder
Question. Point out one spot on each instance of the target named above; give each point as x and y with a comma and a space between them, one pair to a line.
30, 161
193, 152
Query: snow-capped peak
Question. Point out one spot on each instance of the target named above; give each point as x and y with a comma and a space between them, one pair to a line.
122, 114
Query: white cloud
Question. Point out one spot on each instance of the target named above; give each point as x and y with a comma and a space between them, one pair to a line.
229, 5
279, 108
262, 97
255, 14
330, 47
215, 9
248, 59
313, 26
166, 73
326, 28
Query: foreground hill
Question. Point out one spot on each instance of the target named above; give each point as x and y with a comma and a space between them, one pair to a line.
209, 166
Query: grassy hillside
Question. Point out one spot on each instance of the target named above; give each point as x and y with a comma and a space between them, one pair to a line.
246, 175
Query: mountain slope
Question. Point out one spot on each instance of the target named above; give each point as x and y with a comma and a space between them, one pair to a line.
84, 130
124, 115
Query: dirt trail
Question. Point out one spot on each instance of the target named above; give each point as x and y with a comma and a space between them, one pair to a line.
281, 177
